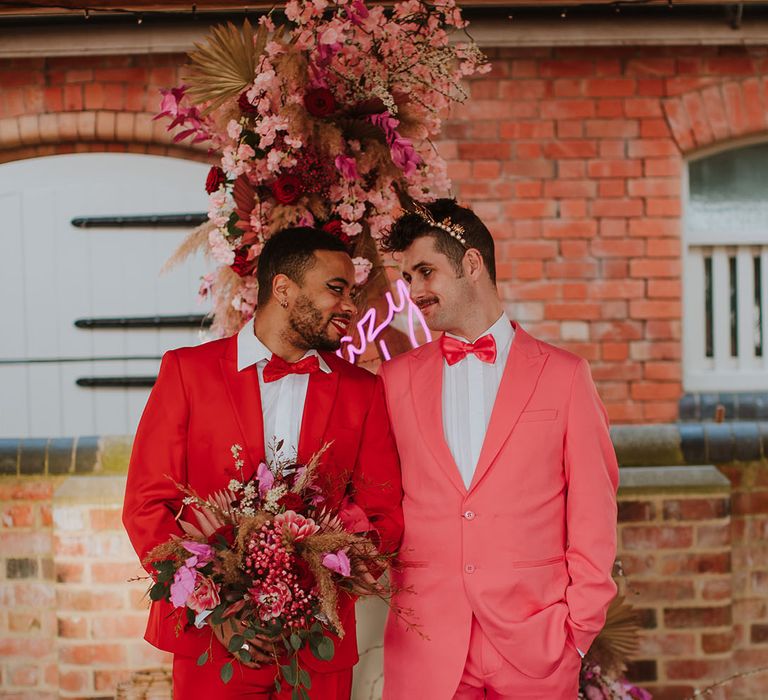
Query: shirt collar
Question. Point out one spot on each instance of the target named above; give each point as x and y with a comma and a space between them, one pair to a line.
502, 332
250, 350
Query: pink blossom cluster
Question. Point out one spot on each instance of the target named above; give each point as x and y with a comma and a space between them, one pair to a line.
301, 145
190, 587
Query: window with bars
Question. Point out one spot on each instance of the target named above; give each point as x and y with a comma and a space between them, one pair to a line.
725, 292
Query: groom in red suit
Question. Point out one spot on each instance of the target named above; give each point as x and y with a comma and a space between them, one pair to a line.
276, 380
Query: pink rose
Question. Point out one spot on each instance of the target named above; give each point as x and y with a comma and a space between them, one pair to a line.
182, 586
205, 596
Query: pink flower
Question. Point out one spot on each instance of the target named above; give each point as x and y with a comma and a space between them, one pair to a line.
347, 167
363, 268
271, 600
205, 596
266, 479
296, 526
338, 562
203, 552
357, 12
182, 586
404, 155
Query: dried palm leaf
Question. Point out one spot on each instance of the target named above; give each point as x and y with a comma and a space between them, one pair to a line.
224, 65
618, 639
196, 240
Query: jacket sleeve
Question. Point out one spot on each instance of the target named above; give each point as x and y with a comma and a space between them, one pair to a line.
158, 459
376, 480
592, 476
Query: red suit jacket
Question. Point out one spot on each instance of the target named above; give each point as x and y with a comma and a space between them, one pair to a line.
200, 406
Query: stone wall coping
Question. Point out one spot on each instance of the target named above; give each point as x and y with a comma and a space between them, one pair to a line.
99, 490
699, 478
655, 445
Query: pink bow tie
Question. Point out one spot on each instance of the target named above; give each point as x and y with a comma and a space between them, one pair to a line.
454, 350
277, 367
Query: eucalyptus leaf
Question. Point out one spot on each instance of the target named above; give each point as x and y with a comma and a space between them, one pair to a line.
235, 643
305, 679
289, 674
202, 658
226, 672
296, 641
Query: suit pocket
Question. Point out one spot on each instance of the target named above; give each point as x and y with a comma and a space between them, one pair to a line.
531, 416
533, 563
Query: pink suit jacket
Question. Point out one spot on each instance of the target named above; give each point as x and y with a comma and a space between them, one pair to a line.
528, 549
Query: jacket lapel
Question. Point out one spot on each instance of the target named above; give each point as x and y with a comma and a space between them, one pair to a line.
243, 390
518, 382
321, 395
426, 369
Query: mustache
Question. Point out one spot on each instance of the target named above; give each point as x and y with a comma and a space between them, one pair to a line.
424, 301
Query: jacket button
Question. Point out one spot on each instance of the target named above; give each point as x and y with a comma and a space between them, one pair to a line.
469, 568
469, 515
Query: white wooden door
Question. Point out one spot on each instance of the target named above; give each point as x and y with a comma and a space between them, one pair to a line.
53, 273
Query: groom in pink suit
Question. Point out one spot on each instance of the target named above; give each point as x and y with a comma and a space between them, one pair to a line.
510, 486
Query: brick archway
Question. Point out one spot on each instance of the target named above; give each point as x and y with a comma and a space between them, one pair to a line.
35, 135
77, 104
714, 112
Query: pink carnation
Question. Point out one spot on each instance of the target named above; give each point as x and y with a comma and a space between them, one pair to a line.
205, 596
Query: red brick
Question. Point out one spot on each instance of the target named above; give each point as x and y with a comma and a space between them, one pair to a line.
734, 108
652, 148
569, 229
702, 563
26, 489
571, 169
571, 209
656, 350
698, 617
612, 188
567, 312
698, 118
29, 647
713, 536
657, 206
610, 87
72, 627
716, 589
614, 352
661, 591
92, 654
570, 128
641, 107
660, 411
567, 87
654, 187
69, 600
74, 681
655, 267
664, 289
612, 128
614, 168
617, 207
753, 105
657, 645
610, 109
650, 390
730, 65
559, 69
572, 148
654, 228
662, 248
613, 228
570, 270
484, 151
662, 371
714, 105
567, 109
635, 537
654, 129
717, 643
530, 209
569, 188
528, 151
530, 249
526, 130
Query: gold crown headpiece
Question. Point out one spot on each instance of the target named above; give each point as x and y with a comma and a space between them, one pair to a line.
453, 230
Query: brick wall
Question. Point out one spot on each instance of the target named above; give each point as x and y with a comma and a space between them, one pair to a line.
71, 624
573, 156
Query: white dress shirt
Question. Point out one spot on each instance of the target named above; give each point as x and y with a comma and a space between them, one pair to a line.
282, 401
469, 392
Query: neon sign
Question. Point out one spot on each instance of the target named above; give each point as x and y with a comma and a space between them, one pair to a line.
368, 331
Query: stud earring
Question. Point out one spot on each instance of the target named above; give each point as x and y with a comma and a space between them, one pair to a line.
284, 303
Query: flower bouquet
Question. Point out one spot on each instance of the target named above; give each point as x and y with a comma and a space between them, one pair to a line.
268, 557
602, 669
322, 116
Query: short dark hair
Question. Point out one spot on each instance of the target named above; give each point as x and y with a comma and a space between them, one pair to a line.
291, 252
411, 226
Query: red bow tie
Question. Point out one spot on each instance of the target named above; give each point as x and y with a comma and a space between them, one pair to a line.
277, 367
454, 350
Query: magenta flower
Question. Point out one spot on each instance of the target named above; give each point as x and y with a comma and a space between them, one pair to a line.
182, 586
265, 478
347, 167
203, 553
338, 562
205, 595
404, 155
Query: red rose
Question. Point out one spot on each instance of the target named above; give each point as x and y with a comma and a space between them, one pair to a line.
245, 106
320, 102
225, 532
242, 266
215, 178
334, 226
287, 189
292, 501
304, 576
